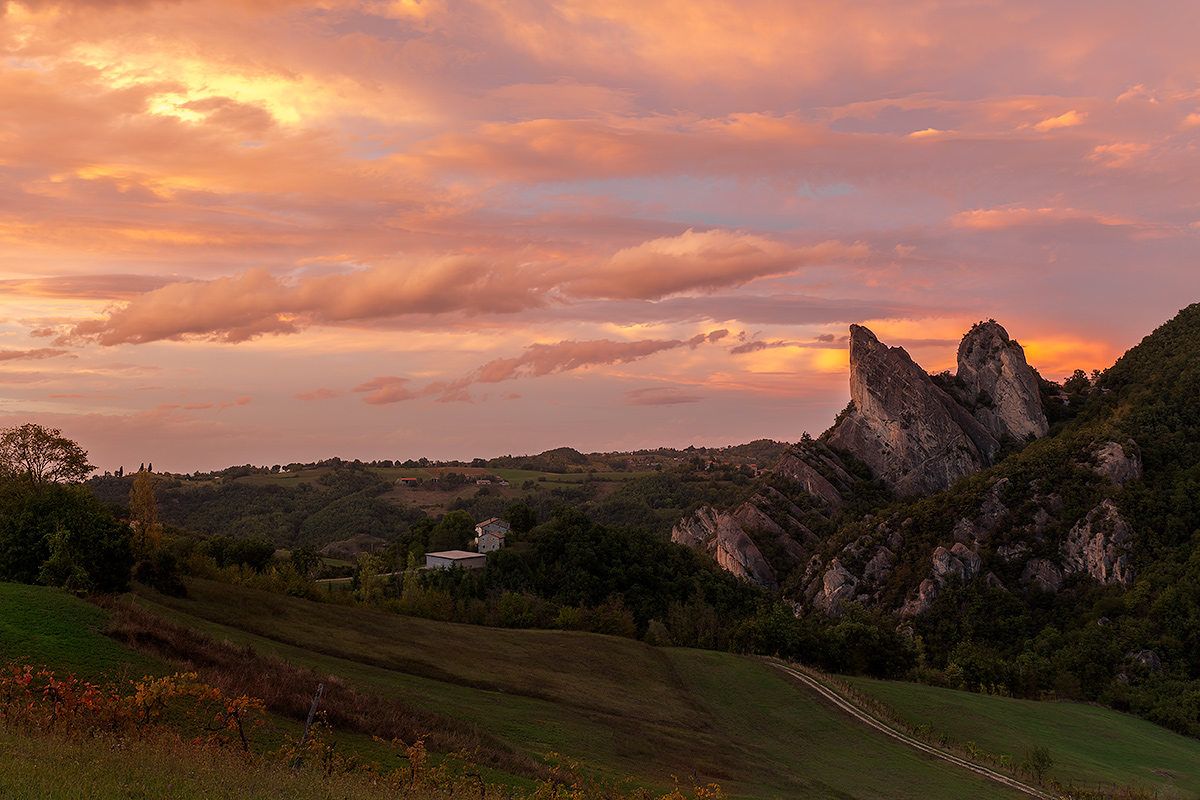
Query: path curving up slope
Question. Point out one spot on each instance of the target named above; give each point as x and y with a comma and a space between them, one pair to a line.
862, 715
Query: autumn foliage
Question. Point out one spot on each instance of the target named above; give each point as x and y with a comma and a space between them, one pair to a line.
181, 710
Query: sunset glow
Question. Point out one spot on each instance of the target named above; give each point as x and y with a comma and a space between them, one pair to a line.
268, 231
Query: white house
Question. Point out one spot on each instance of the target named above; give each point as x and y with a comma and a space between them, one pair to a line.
489, 534
455, 558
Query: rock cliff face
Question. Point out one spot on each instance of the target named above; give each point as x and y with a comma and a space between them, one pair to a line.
1099, 545
793, 467
726, 536
819, 471
1119, 464
913, 436
836, 586
719, 535
999, 384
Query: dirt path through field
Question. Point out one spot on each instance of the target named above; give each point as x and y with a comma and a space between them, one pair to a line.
861, 714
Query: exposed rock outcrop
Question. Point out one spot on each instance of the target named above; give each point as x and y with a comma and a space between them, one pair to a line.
1043, 574
837, 586
794, 468
880, 565
926, 593
1099, 545
750, 517
818, 471
999, 384
726, 536
958, 561
719, 535
1118, 464
913, 436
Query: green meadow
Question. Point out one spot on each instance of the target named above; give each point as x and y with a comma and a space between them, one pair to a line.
623, 709
40, 626
1091, 746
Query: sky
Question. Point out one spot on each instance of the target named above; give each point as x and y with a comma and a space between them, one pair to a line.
266, 231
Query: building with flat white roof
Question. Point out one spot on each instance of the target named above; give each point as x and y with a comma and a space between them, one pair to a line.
448, 559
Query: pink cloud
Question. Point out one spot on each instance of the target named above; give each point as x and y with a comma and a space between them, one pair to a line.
999, 218
85, 396
659, 397
538, 360
257, 302
229, 309
702, 261
386, 390
33, 355
319, 394
757, 346
103, 287
1066, 120
548, 359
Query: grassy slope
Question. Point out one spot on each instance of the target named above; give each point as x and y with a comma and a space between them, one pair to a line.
40, 626
1089, 745
622, 707
613, 703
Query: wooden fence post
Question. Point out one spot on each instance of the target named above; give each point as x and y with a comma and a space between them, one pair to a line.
311, 713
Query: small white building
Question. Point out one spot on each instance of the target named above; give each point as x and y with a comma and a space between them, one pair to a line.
448, 559
489, 534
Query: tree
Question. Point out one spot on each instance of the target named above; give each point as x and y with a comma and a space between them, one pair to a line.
64, 537
1077, 383
40, 456
520, 516
453, 531
306, 560
147, 529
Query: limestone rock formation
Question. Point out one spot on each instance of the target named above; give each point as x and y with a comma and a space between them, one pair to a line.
958, 561
880, 565
750, 517
793, 467
913, 436
926, 593
1011, 552
1099, 545
818, 471
719, 535
1042, 573
999, 384
1117, 463
836, 586
970, 560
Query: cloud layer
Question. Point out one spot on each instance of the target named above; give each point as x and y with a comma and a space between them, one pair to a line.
317, 204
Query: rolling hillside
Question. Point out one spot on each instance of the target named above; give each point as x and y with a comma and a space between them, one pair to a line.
626, 709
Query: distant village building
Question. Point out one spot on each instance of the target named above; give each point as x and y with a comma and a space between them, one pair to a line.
409, 482
449, 559
489, 534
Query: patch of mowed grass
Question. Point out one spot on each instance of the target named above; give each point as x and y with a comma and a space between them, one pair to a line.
619, 706
1090, 745
44, 626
